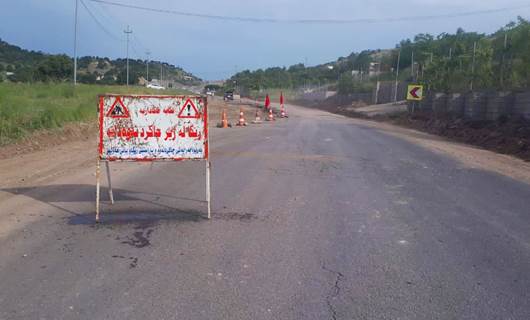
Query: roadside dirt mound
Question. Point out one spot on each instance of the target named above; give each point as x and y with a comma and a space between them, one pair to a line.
43, 139
504, 136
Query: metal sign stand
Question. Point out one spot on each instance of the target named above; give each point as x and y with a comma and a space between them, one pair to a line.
208, 195
98, 186
111, 194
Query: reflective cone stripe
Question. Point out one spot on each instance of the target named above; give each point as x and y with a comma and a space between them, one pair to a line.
242, 121
271, 115
224, 121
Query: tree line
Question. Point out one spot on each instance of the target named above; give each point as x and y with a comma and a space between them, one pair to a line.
448, 62
33, 66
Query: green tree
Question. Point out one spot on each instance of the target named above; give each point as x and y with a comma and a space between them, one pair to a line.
54, 68
345, 85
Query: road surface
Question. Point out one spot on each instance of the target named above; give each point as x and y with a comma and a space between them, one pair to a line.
314, 217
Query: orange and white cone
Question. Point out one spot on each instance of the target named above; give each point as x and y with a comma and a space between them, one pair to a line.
224, 120
282, 112
242, 121
271, 115
258, 117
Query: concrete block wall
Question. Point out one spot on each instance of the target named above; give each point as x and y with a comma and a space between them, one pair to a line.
521, 105
478, 106
439, 104
386, 91
455, 104
498, 104
475, 106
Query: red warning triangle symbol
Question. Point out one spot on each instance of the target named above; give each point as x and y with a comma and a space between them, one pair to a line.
189, 111
118, 110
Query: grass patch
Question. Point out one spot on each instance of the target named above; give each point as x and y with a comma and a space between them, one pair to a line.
25, 108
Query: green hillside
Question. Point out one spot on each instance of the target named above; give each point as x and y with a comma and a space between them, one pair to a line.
445, 62
20, 65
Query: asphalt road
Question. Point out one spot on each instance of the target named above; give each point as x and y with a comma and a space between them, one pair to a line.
314, 217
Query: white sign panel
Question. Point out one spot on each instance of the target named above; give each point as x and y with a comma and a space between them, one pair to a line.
143, 128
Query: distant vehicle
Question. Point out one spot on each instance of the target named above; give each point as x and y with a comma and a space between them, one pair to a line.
155, 86
229, 95
210, 93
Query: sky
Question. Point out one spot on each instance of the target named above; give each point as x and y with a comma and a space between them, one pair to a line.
215, 49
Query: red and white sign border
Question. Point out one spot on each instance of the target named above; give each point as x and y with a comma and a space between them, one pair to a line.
107, 160
101, 113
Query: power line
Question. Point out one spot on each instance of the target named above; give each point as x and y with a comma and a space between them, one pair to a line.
110, 34
110, 18
107, 18
311, 21
135, 39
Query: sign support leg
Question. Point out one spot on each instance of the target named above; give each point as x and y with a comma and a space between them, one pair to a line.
208, 199
111, 196
98, 176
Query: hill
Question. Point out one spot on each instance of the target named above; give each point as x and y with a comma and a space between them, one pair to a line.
20, 65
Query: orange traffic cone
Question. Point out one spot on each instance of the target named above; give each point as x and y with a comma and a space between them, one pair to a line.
258, 117
224, 121
242, 121
283, 114
271, 115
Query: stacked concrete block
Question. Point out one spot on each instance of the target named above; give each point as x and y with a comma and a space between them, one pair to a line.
475, 106
521, 106
498, 104
439, 104
455, 104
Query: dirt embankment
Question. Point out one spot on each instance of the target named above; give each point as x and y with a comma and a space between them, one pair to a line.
509, 136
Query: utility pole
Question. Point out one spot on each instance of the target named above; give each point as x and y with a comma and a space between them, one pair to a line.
161, 77
75, 42
503, 59
412, 65
397, 74
128, 32
473, 65
148, 53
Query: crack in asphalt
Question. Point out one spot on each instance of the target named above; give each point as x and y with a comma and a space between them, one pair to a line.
335, 292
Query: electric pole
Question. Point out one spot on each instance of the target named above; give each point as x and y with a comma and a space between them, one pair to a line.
397, 74
503, 59
127, 32
473, 65
75, 43
412, 65
148, 53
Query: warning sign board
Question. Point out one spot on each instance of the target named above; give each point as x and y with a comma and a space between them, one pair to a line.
152, 127
415, 92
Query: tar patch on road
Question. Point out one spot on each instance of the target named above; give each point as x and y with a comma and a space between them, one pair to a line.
231, 216
132, 264
141, 237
